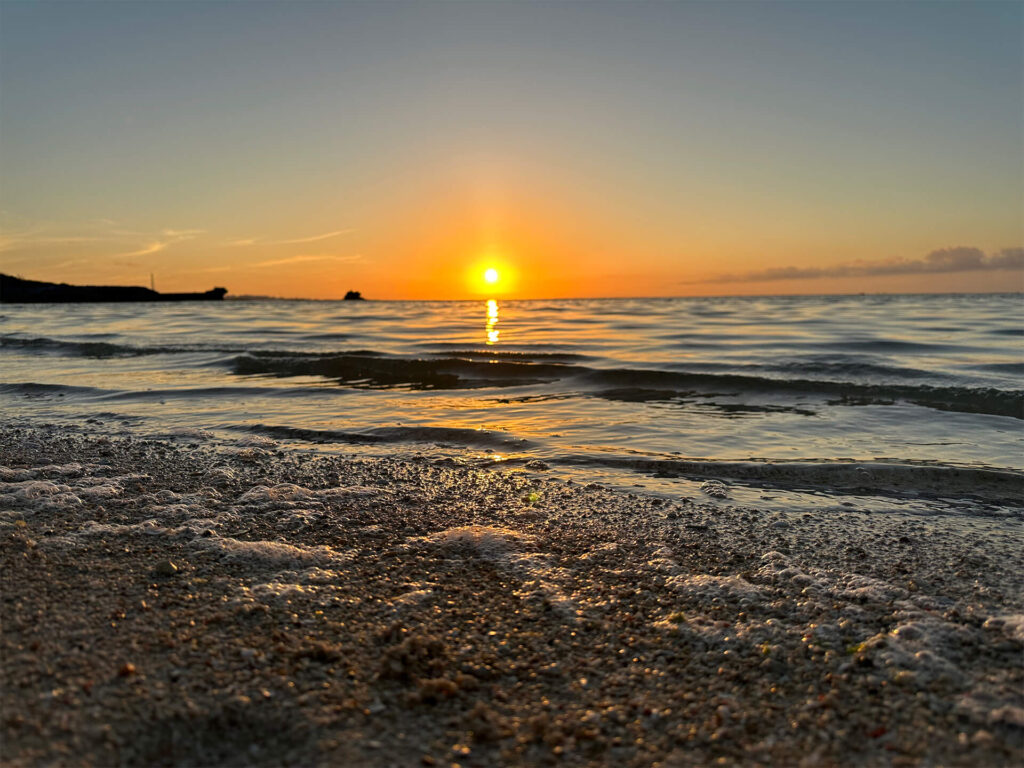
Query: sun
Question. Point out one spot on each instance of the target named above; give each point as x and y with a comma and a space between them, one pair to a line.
489, 275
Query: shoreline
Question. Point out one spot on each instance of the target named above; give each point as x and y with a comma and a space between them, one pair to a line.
176, 605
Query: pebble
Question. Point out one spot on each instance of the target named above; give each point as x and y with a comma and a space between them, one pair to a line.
165, 568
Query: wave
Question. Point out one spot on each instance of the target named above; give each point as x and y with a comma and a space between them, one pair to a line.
1016, 368
934, 480
987, 400
35, 389
376, 372
895, 346
479, 438
103, 349
488, 354
77, 348
829, 379
327, 336
539, 351
620, 384
847, 366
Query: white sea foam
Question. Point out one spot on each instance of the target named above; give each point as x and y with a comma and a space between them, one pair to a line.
262, 494
219, 476
503, 548
1011, 624
272, 554
923, 651
487, 542
30, 496
707, 588
256, 441
191, 433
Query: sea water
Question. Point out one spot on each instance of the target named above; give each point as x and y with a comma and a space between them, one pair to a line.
888, 400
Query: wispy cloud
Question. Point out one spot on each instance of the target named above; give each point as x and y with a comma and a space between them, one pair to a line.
958, 259
145, 250
304, 258
168, 237
291, 241
28, 236
315, 238
183, 234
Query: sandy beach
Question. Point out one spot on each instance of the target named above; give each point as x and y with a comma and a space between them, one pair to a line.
192, 604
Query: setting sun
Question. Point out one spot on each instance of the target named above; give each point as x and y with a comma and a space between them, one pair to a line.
492, 274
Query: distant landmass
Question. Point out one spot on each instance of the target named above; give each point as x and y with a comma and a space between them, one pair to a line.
353, 296
15, 290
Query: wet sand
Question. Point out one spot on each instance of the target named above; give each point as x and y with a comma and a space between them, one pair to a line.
193, 605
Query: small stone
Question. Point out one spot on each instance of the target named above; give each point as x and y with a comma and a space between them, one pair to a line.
165, 568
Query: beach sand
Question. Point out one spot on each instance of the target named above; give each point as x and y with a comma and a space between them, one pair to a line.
193, 604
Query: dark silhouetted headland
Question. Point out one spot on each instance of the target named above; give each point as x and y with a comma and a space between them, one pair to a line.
353, 296
16, 290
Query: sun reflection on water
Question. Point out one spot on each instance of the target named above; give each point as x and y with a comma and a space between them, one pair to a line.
492, 322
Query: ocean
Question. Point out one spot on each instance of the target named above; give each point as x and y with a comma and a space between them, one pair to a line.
911, 402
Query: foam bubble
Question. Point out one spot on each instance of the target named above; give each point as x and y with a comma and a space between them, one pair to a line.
1011, 624
272, 553
38, 496
923, 651
487, 542
256, 441
261, 494
704, 587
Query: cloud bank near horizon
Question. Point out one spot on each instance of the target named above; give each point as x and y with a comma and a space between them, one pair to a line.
943, 260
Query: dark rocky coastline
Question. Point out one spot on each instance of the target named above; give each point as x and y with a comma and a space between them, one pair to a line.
17, 290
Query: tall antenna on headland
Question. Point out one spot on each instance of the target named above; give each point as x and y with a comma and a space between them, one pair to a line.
152, 282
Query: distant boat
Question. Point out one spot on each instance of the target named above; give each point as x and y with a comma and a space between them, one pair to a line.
14, 290
354, 296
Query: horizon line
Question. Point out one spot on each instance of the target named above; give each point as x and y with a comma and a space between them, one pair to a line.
257, 297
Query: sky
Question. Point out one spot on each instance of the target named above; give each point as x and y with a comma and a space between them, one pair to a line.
585, 149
